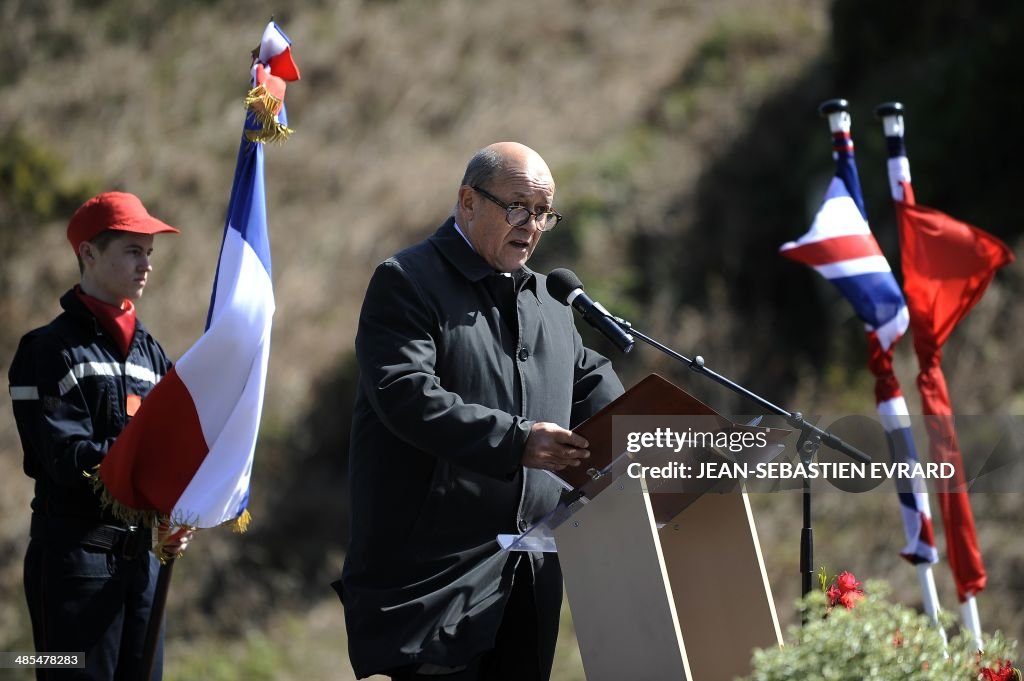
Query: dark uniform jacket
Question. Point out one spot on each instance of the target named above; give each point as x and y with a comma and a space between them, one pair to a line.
69, 386
457, 363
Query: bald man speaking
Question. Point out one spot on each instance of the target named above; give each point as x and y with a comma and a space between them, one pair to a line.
470, 377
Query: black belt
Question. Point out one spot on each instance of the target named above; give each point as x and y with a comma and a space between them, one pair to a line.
128, 542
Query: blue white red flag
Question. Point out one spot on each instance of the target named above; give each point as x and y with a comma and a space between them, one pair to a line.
187, 454
915, 509
841, 247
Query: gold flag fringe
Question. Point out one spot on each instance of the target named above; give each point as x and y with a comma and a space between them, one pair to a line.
152, 519
263, 105
240, 525
125, 514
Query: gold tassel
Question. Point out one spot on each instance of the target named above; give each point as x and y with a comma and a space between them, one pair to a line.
265, 107
260, 100
274, 133
241, 524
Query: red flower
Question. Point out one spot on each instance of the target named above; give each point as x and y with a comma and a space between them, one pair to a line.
1004, 671
849, 598
834, 594
847, 582
845, 590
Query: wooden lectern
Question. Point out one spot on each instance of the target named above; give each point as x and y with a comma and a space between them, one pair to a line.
663, 586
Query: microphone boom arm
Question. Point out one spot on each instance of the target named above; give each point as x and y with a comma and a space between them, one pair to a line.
795, 418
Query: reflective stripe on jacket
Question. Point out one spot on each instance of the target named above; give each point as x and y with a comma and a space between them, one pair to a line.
70, 389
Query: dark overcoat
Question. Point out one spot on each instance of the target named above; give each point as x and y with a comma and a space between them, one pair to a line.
456, 364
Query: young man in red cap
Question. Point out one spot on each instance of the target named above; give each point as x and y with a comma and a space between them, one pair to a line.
74, 384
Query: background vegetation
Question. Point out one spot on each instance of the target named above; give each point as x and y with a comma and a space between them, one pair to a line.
878, 640
684, 139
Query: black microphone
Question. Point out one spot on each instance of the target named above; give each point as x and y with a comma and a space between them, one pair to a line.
565, 287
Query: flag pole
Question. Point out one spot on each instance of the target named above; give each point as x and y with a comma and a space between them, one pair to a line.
893, 410
841, 247
205, 412
891, 115
156, 617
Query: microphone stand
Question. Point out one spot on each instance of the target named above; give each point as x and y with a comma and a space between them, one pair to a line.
811, 438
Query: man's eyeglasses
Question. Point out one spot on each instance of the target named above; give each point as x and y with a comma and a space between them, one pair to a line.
517, 215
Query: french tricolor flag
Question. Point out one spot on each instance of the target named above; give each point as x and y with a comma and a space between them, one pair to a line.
188, 452
841, 247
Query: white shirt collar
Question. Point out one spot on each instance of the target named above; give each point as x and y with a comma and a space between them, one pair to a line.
463, 235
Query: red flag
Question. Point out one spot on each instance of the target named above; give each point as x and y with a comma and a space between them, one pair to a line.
947, 265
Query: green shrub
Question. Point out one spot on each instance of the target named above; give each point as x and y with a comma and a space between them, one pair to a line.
876, 640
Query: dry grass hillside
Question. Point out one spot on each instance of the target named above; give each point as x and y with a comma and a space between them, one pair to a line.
686, 148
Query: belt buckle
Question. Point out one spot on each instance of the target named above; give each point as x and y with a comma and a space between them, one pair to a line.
132, 543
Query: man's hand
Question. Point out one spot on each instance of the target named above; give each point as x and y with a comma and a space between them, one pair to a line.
170, 544
551, 447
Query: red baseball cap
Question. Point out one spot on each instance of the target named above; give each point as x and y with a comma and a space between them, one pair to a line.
112, 210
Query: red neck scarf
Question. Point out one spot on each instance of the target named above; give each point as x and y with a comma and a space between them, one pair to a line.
117, 321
